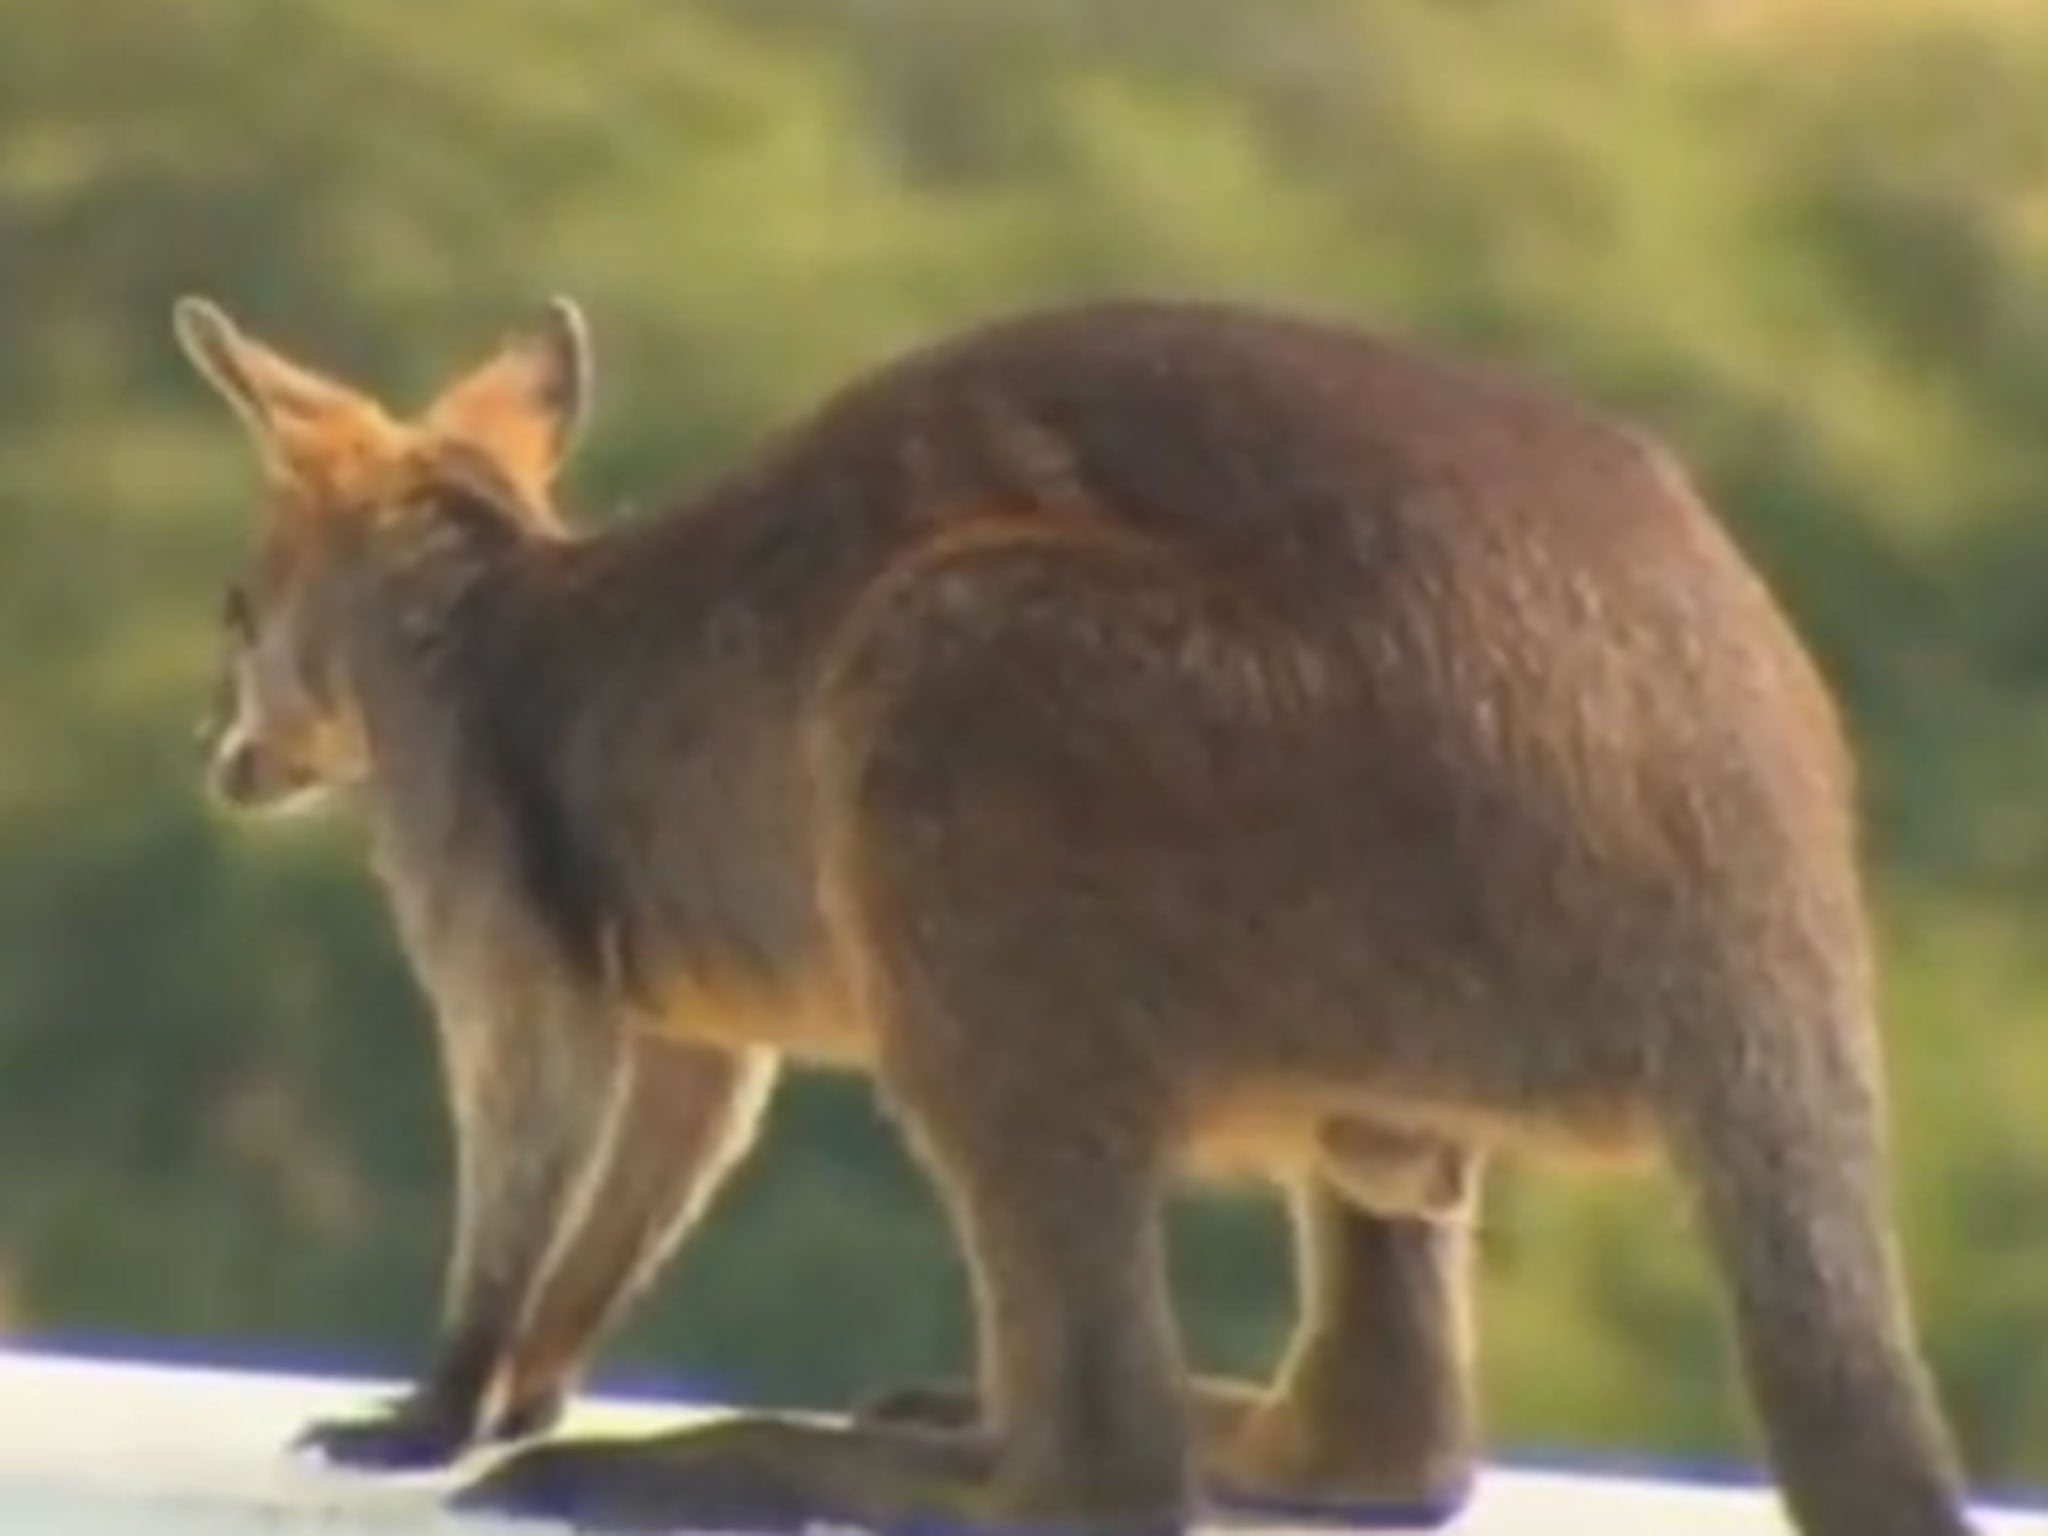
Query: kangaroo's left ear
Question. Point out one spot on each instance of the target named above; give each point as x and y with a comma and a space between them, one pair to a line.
524, 407
274, 396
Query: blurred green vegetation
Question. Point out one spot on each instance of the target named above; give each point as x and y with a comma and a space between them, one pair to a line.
1808, 242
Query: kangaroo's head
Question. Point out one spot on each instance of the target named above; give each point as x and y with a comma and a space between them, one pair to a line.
341, 474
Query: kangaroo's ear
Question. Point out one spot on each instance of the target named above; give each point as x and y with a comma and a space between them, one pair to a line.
526, 405
275, 397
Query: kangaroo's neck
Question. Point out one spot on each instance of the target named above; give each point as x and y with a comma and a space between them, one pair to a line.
581, 746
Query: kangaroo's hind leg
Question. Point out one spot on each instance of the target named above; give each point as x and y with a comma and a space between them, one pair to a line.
1372, 1411
691, 1114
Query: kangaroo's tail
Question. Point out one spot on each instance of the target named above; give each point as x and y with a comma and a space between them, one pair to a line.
1783, 1153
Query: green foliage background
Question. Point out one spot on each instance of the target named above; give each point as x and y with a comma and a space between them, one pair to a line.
1808, 242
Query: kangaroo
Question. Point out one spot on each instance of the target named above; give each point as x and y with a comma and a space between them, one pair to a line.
1149, 740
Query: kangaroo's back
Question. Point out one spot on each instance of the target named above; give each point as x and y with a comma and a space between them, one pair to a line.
1257, 446
1363, 525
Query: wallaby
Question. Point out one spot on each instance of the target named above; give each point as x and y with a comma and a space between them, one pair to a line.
1148, 739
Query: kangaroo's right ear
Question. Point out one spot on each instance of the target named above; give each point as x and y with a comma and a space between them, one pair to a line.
525, 405
271, 395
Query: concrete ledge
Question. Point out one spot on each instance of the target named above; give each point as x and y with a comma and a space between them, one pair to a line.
99, 1448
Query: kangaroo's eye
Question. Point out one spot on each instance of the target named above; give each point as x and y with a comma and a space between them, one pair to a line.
236, 617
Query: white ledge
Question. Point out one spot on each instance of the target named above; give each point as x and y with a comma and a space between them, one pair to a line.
102, 1448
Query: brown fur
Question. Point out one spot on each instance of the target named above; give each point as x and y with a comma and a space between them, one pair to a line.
1143, 738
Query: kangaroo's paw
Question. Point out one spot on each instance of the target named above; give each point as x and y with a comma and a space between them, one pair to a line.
536, 1416
408, 1434
1281, 1467
752, 1474
926, 1404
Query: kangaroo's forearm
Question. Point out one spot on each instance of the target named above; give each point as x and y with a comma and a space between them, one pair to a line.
533, 1125
690, 1114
